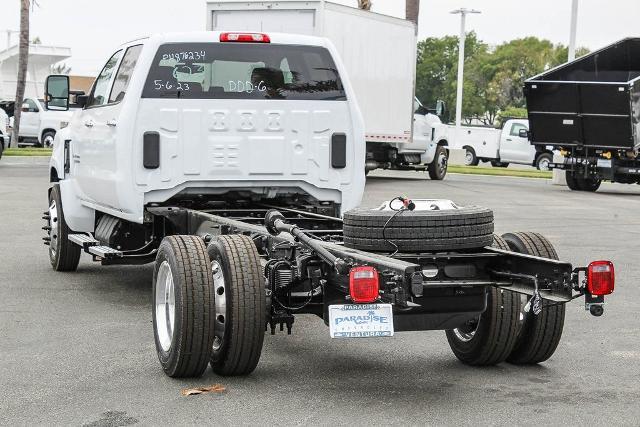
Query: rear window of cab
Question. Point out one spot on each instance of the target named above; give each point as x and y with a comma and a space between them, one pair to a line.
243, 71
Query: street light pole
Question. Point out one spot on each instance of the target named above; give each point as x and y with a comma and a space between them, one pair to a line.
463, 35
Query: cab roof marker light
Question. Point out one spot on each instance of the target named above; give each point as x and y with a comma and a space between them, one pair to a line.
244, 38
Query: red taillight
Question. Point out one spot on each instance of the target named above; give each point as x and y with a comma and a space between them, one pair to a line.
363, 284
600, 278
245, 37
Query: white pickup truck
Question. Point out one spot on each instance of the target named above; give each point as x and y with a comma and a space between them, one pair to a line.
234, 161
39, 125
500, 146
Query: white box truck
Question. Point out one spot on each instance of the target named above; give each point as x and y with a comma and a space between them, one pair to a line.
379, 53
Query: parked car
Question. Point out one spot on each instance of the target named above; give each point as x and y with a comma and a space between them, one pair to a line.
589, 109
382, 71
499, 146
38, 125
234, 161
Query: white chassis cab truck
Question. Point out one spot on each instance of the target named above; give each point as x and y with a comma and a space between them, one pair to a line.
379, 54
234, 162
499, 146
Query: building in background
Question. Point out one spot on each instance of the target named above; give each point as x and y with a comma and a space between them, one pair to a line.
41, 58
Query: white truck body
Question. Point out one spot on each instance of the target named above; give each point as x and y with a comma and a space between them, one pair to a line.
39, 125
283, 135
378, 51
488, 144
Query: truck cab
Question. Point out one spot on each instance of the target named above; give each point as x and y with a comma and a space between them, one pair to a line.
211, 115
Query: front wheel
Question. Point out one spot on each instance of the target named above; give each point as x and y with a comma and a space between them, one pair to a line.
240, 305
63, 254
438, 167
47, 138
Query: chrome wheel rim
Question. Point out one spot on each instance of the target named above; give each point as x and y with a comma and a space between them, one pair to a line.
442, 163
466, 332
165, 306
48, 141
220, 298
468, 158
543, 165
54, 232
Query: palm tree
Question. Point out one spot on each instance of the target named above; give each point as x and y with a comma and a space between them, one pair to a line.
23, 57
412, 10
364, 4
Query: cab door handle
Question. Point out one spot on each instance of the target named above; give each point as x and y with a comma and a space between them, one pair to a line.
89, 123
112, 123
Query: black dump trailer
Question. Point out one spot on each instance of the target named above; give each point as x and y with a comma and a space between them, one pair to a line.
589, 109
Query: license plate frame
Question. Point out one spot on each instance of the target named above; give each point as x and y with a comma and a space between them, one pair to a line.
361, 321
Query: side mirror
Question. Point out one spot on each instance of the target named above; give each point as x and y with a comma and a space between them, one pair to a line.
422, 110
56, 91
25, 108
440, 107
81, 101
523, 133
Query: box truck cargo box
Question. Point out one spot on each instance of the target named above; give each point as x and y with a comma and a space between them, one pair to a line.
378, 51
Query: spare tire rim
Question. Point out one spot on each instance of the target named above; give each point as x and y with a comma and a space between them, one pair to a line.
466, 332
165, 302
220, 290
54, 232
468, 158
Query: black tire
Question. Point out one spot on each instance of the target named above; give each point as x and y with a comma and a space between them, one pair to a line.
45, 138
469, 227
539, 335
1, 149
544, 158
239, 335
489, 340
590, 183
572, 181
63, 254
188, 350
470, 158
499, 164
438, 167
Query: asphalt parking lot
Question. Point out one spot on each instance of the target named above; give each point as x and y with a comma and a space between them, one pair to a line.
78, 348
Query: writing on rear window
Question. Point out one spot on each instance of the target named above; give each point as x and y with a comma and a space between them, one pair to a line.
243, 71
185, 56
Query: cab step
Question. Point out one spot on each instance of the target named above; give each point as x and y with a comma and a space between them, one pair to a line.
84, 240
105, 252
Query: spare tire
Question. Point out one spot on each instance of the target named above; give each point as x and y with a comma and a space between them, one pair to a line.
462, 227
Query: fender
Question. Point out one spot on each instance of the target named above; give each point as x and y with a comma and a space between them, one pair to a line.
79, 218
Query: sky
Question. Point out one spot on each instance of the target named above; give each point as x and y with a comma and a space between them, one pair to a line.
92, 29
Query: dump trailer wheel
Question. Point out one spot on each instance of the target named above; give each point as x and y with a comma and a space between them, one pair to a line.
465, 227
183, 306
489, 339
438, 167
63, 254
572, 181
590, 183
539, 335
240, 305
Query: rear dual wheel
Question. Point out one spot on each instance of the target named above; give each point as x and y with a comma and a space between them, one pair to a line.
578, 182
209, 306
504, 332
